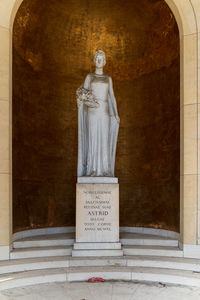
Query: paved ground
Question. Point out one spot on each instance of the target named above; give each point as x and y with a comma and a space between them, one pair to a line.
102, 291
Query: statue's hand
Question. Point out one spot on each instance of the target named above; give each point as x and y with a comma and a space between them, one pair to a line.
118, 119
91, 104
79, 102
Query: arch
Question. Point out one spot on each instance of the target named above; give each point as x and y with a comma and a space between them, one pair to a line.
184, 14
187, 14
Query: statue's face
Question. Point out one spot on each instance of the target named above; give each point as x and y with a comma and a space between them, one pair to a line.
99, 61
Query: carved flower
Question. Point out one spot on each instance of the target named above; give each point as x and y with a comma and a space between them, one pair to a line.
85, 96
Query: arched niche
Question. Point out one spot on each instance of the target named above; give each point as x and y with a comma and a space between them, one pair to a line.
187, 15
142, 48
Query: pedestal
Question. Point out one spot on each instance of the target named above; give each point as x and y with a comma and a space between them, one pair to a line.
97, 218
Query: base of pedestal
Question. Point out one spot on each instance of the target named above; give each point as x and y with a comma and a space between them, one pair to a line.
97, 249
94, 246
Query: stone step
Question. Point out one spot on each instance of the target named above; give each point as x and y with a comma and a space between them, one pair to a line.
147, 240
153, 251
31, 278
168, 276
28, 264
178, 263
67, 239
133, 273
96, 252
45, 241
40, 252
94, 246
32, 252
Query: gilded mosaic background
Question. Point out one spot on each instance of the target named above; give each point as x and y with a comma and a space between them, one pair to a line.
53, 47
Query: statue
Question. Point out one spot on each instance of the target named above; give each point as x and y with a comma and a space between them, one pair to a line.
98, 123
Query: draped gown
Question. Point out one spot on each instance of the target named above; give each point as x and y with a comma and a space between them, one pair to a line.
99, 129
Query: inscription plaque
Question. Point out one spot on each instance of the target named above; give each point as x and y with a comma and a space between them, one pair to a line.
97, 213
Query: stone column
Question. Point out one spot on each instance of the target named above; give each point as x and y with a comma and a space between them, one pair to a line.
5, 140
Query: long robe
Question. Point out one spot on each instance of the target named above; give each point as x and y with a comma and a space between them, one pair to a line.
98, 129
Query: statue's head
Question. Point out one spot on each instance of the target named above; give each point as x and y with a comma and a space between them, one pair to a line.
100, 59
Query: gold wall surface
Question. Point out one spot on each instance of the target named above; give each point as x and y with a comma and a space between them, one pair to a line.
53, 47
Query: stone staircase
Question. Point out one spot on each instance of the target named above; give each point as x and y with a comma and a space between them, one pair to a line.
43, 258
61, 245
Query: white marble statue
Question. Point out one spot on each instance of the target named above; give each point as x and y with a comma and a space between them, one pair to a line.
98, 123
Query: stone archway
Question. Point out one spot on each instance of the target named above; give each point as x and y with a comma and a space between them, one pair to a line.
187, 14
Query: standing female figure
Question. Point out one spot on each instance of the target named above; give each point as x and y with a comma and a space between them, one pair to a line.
98, 124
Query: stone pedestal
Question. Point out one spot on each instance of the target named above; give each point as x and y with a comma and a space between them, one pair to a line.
97, 218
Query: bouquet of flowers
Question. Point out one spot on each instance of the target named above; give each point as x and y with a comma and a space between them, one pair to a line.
84, 96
